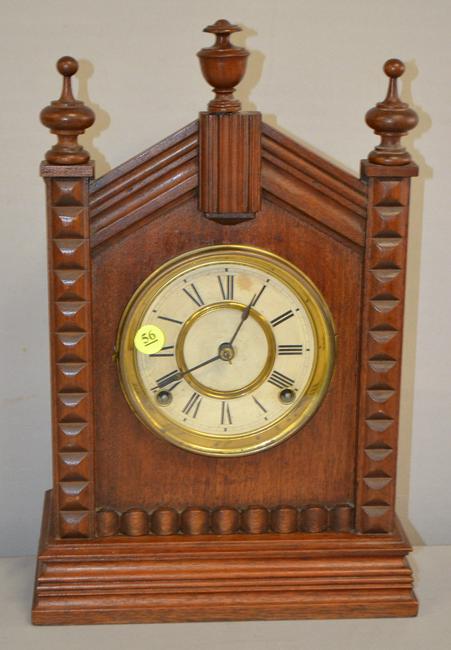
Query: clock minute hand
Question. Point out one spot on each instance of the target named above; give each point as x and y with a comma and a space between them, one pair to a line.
244, 316
176, 376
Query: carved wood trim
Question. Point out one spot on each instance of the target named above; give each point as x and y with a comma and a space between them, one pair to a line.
229, 164
168, 172
183, 578
144, 184
71, 356
382, 325
226, 520
319, 189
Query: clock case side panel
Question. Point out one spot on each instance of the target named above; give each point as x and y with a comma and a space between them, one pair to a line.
69, 267
381, 354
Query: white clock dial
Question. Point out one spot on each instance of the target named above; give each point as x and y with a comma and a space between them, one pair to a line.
243, 338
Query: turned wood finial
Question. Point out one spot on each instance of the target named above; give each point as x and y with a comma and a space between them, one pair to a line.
391, 119
67, 118
223, 66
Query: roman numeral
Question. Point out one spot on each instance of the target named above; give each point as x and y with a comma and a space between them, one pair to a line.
193, 405
226, 418
282, 318
259, 404
280, 380
167, 351
290, 349
226, 283
257, 297
194, 295
171, 320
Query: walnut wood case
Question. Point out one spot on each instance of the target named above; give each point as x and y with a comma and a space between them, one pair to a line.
138, 530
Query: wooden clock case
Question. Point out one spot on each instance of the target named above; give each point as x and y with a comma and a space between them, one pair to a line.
138, 530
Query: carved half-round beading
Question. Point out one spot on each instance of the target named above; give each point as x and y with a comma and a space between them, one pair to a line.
108, 523
226, 520
195, 521
165, 521
135, 522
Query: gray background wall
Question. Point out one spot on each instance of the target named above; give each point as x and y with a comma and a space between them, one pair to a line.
315, 69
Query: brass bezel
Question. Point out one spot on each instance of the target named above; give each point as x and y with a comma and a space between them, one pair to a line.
141, 402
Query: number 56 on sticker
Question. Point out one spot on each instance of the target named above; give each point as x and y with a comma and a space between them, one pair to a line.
149, 339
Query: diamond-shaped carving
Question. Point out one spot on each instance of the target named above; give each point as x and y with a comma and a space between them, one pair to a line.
377, 454
70, 253
71, 326
72, 428
71, 400
73, 436
74, 495
387, 244
390, 193
70, 309
71, 316
69, 277
384, 275
71, 370
70, 284
389, 213
74, 524
70, 339
381, 363
384, 303
74, 466
67, 191
380, 393
376, 509
383, 333
68, 222
68, 246
379, 423
377, 480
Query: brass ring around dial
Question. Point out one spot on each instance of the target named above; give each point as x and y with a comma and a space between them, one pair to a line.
242, 390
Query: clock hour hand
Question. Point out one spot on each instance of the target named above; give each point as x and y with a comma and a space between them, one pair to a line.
177, 376
244, 315
224, 350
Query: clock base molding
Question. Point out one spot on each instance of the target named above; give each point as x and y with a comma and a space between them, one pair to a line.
212, 577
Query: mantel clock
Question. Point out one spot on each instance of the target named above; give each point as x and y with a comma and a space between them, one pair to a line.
226, 313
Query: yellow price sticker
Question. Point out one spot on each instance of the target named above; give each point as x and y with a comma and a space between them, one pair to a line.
149, 339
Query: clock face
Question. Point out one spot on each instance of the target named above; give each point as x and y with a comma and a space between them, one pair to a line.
226, 351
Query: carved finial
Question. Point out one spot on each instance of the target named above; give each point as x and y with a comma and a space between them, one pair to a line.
223, 66
391, 119
67, 118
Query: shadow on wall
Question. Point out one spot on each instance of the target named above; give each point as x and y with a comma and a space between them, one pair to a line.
103, 120
251, 79
412, 297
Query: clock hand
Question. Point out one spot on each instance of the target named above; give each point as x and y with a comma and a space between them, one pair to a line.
176, 376
244, 315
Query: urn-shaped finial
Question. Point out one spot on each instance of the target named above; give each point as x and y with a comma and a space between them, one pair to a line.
391, 119
223, 66
67, 118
